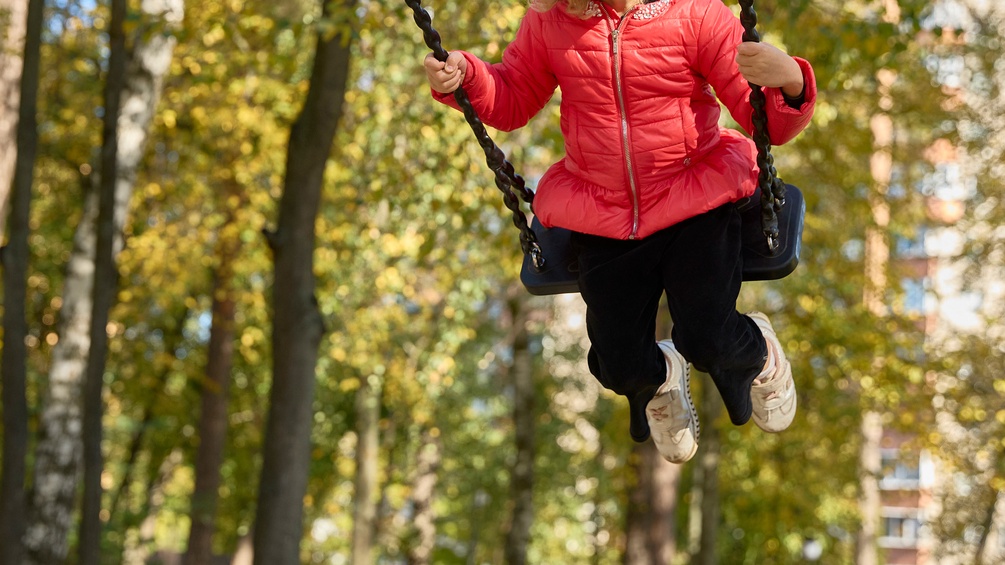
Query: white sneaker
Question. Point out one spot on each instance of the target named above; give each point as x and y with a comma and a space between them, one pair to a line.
673, 421
773, 393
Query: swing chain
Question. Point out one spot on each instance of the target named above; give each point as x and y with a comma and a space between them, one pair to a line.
772, 187
506, 178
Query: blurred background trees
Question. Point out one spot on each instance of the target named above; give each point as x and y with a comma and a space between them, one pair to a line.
448, 416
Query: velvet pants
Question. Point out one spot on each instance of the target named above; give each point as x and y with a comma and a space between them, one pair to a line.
697, 264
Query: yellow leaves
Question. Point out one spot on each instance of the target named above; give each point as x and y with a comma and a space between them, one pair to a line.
169, 118
253, 340
907, 418
213, 36
389, 279
808, 303
198, 114
998, 483
38, 282
973, 414
353, 151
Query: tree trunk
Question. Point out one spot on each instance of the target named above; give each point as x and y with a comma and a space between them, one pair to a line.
709, 452
522, 474
172, 338
215, 398
245, 554
703, 515
869, 501
59, 450
137, 550
105, 282
983, 552
427, 469
297, 324
367, 447
13, 18
650, 520
13, 369
877, 258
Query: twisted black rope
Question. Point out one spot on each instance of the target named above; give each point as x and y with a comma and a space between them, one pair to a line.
772, 188
507, 180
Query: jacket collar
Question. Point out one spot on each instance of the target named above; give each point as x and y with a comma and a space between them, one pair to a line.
645, 11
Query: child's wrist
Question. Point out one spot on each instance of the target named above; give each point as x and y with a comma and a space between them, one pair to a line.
794, 89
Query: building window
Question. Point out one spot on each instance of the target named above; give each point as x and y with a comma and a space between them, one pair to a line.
898, 474
902, 528
911, 247
915, 292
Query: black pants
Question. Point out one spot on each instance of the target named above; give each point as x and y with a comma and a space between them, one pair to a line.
698, 264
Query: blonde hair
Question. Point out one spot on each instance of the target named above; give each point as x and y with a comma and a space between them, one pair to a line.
574, 7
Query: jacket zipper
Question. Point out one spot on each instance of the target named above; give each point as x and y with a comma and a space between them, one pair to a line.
622, 108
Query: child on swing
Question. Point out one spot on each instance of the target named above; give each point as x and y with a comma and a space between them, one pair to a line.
648, 186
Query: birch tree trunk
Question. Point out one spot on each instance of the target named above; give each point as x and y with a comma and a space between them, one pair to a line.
297, 325
524, 413
13, 370
13, 18
59, 450
364, 510
215, 397
426, 474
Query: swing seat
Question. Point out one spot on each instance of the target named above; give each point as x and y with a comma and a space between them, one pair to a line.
759, 262
560, 274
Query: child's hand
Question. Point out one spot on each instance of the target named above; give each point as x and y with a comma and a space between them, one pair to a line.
767, 65
446, 77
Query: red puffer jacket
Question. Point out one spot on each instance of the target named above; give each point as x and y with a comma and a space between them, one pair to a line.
644, 149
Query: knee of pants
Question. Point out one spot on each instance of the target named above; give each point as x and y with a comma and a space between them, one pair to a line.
707, 352
625, 373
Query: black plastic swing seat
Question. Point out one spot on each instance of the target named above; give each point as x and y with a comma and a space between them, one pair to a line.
560, 274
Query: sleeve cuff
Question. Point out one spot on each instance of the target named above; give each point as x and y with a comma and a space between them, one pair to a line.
797, 104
